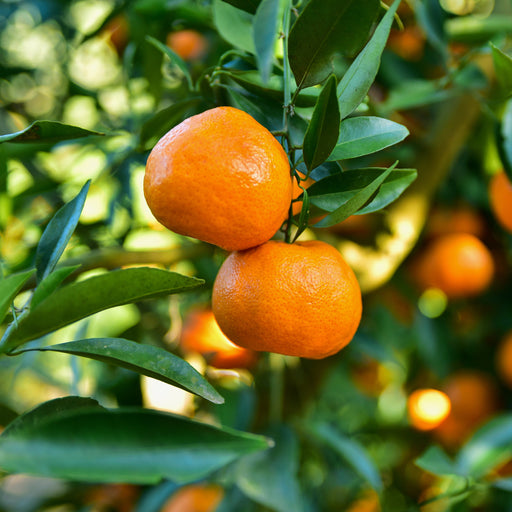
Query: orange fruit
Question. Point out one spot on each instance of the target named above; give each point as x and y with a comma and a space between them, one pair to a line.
500, 198
220, 177
201, 334
462, 219
189, 44
427, 408
459, 264
504, 359
299, 299
195, 498
474, 399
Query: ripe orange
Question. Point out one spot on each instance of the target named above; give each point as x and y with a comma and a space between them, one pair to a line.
504, 359
195, 498
299, 299
221, 177
500, 197
474, 399
459, 264
187, 43
427, 408
201, 334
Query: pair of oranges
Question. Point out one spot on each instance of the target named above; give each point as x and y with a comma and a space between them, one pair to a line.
223, 178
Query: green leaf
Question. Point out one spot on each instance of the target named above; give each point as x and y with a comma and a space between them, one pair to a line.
81, 299
435, 461
148, 360
234, 25
249, 6
503, 132
93, 444
361, 74
57, 233
47, 131
391, 189
50, 283
477, 28
503, 67
158, 125
9, 288
351, 451
326, 28
322, 133
265, 34
361, 136
344, 194
174, 57
270, 477
488, 448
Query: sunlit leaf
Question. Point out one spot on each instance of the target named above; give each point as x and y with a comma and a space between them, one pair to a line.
270, 477
488, 448
234, 25
434, 460
93, 444
503, 67
148, 360
361, 74
361, 136
9, 288
48, 131
265, 34
351, 451
326, 28
81, 299
57, 233
345, 193
174, 57
322, 133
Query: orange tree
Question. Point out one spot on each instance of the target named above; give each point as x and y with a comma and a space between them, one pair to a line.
382, 114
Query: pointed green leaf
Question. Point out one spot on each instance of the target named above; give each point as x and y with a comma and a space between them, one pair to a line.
249, 6
265, 34
148, 360
131, 445
9, 288
361, 74
50, 283
47, 131
361, 136
503, 67
57, 233
344, 194
488, 448
270, 477
326, 28
234, 25
435, 461
174, 57
158, 125
351, 451
322, 133
81, 299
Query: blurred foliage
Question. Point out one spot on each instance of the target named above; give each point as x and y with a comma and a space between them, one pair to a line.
343, 437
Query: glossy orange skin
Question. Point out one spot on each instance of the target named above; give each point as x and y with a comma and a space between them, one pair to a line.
195, 498
504, 359
187, 43
299, 299
500, 197
201, 334
459, 264
220, 177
